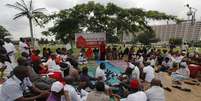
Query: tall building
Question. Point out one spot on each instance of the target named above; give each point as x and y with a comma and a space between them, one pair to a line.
185, 30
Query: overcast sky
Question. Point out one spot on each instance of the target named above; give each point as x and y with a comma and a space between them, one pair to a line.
20, 27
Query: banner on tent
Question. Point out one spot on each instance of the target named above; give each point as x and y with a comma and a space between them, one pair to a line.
89, 40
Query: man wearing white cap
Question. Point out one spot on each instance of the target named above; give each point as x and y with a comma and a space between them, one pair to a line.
57, 91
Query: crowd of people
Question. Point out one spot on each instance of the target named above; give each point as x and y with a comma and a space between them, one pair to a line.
57, 76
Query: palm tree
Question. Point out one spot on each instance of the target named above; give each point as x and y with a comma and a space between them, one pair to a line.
28, 11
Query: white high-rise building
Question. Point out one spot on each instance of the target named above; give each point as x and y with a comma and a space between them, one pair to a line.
185, 30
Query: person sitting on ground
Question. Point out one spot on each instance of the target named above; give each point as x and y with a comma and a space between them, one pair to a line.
148, 72
84, 75
99, 94
36, 60
123, 86
69, 87
52, 66
16, 87
156, 92
36, 79
129, 69
182, 73
57, 91
100, 72
26, 57
136, 93
45, 54
135, 72
82, 89
173, 68
166, 64
82, 59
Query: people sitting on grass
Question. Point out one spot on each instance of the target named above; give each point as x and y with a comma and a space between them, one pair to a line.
79, 85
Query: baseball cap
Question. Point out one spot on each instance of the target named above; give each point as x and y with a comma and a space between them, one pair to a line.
57, 86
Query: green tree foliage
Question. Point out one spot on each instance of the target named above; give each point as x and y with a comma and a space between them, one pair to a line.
27, 10
112, 38
147, 38
3, 32
94, 17
175, 41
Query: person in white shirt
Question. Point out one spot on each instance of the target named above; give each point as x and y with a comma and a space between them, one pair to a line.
23, 47
141, 59
135, 72
149, 72
100, 73
156, 92
136, 94
182, 73
82, 59
11, 50
184, 47
51, 63
14, 87
71, 90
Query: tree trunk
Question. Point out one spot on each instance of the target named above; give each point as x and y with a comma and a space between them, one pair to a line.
31, 31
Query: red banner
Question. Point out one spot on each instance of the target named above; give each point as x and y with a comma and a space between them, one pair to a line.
89, 40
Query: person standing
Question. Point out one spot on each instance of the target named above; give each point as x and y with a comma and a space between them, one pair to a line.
96, 53
102, 51
23, 47
11, 50
5, 60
